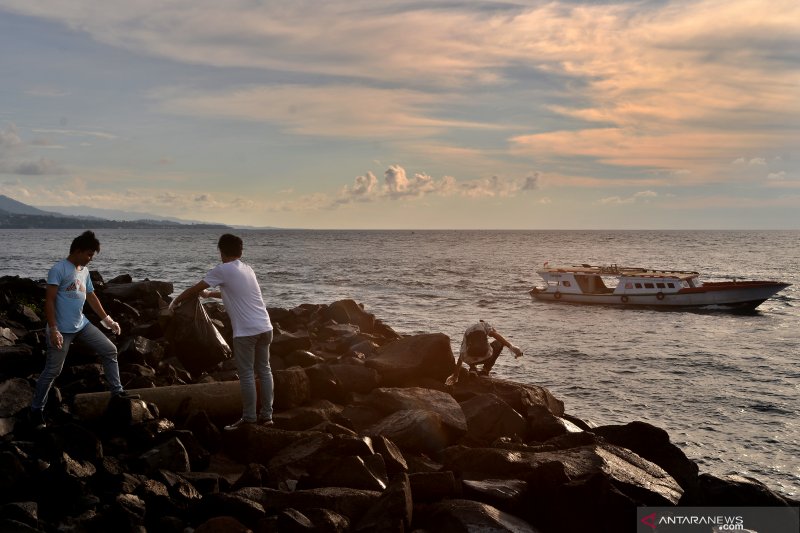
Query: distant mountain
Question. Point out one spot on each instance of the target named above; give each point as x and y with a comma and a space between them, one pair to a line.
112, 214
16, 215
9, 205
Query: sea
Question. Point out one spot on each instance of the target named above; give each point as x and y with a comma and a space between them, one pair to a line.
726, 387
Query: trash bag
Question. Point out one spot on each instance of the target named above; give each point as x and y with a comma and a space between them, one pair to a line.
194, 339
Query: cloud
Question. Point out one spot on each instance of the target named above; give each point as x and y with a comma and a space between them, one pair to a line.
397, 185
37, 168
778, 176
634, 198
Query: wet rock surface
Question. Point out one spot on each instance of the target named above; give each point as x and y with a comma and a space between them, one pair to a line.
366, 438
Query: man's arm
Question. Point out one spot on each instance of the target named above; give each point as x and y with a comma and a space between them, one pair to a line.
50, 312
97, 307
192, 292
496, 335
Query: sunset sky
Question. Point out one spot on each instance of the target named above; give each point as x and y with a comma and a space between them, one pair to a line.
406, 114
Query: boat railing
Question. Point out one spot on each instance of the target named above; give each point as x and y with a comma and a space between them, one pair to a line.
614, 269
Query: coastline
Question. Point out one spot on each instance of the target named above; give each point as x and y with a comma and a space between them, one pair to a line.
345, 381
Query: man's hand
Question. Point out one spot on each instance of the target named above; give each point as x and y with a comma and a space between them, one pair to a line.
56, 339
205, 293
517, 351
109, 323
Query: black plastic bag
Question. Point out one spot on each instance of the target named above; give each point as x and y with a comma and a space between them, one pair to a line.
194, 339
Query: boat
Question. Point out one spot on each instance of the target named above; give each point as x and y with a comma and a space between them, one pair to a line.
641, 287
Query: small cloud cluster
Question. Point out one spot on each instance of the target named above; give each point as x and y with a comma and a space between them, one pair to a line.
12, 160
644, 196
397, 185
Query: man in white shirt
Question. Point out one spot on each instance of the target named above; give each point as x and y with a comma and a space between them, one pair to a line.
252, 329
477, 350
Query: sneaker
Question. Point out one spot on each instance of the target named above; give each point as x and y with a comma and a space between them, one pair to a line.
125, 395
239, 424
36, 418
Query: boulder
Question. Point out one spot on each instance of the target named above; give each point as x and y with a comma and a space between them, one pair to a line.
306, 417
505, 494
355, 378
489, 418
434, 486
734, 491
15, 396
411, 358
393, 511
286, 343
349, 312
464, 516
390, 400
653, 444
352, 503
543, 425
517, 395
170, 455
414, 430
292, 388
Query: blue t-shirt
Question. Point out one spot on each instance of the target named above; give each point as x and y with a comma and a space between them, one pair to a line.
73, 285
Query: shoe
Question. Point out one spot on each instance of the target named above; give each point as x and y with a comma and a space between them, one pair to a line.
265, 423
239, 424
36, 418
125, 395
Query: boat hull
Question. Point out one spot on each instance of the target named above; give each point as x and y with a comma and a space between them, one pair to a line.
734, 296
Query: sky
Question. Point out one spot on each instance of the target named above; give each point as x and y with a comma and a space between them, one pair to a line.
383, 114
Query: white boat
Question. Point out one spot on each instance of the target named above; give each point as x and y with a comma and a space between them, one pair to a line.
641, 287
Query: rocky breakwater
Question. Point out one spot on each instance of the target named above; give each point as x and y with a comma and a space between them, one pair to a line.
366, 438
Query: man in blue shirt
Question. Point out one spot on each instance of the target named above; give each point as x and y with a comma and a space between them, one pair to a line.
68, 288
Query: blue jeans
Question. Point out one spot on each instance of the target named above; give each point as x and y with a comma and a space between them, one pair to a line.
251, 355
90, 337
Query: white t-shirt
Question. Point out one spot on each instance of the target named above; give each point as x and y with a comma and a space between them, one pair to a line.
241, 296
480, 326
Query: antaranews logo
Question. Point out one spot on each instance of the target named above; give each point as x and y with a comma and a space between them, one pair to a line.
650, 520
719, 519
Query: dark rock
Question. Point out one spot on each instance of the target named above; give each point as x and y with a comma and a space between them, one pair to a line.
235, 504
293, 461
505, 494
306, 417
734, 491
390, 400
352, 503
222, 524
207, 434
393, 510
361, 417
490, 418
349, 312
414, 430
15, 396
286, 343
348, 471
434, 486
543, 425
324, 384
302, 358
427, 355
463, 516
392, 456
355, 378
653, 444
26, 513
292, 520
292, 388
517, 395
19, 360
254, 475
170, 455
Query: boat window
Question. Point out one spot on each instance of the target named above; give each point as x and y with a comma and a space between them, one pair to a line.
638, 285
649, 286
566, 283
660, 285
628, 285
671, 285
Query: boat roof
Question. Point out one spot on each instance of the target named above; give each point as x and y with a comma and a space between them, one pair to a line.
616, 270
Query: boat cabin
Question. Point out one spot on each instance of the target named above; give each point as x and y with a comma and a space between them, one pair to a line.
589, 279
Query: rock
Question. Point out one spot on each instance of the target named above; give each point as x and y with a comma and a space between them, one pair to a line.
234, 504
15, 396
489, 418
653, 444
292, 388
286, 343
20, 360
26, 513
325, 386
390, 400
642, 480
505, 494
518, 396
464, 516
222, 524
734, 491
148, 291
543, 425
302, 358
348, 471
349, 312
170, 455
306, 417
434, 486
355, 378
411, 358
293, 461
414, 430
392, 456
352, 503
393, 510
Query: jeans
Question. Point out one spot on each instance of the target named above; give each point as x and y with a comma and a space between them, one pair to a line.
251, 355
90, 337
488, 363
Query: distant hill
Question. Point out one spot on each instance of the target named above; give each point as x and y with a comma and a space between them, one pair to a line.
111, 214
16, 215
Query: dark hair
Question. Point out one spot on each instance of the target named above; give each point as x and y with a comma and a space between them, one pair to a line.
230, 245
85, 241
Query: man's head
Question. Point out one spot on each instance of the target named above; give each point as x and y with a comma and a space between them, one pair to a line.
85, 242
230, 246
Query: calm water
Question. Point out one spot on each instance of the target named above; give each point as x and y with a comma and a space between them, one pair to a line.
724, 386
